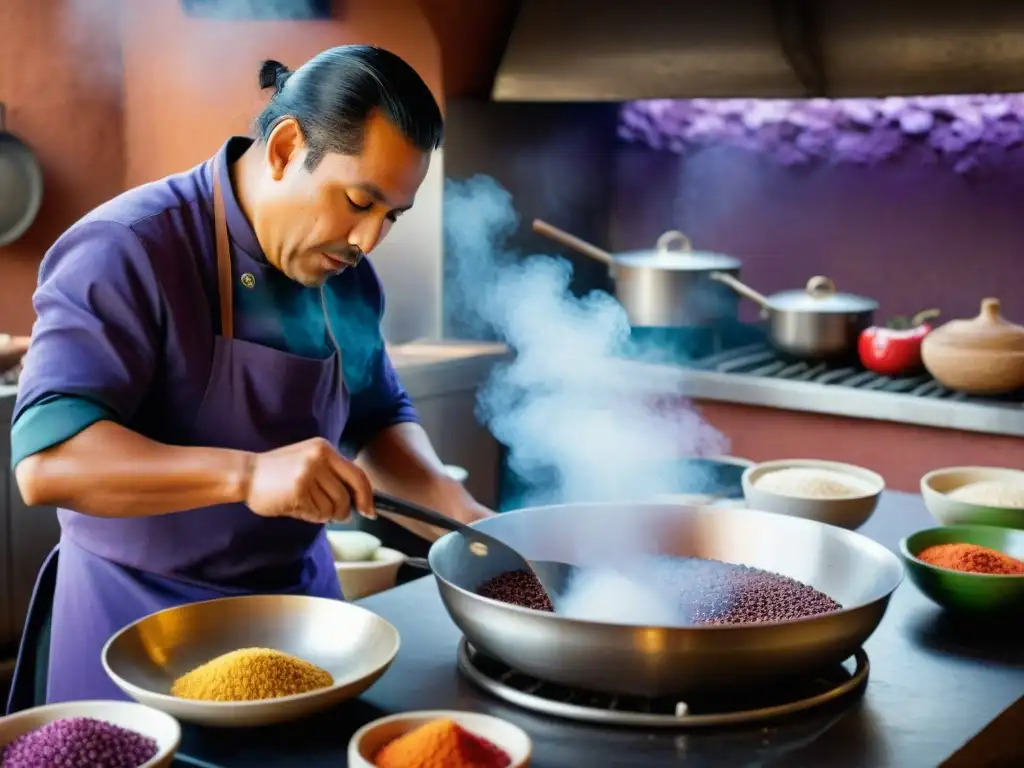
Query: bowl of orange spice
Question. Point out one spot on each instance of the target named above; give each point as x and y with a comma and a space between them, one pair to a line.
439, 739
977, 569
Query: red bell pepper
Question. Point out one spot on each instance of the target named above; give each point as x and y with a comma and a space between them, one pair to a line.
895, 349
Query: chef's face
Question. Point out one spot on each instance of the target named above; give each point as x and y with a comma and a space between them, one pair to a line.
313, 224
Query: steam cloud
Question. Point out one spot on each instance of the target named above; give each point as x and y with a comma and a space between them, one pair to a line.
580, 424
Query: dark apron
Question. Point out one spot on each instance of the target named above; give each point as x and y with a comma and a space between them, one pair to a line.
112, 572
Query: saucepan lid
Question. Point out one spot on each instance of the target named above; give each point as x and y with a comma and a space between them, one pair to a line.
673, 251
820, 295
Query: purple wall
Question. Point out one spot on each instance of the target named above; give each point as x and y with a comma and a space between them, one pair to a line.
908, 233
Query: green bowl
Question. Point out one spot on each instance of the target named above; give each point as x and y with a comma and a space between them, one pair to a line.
976, 593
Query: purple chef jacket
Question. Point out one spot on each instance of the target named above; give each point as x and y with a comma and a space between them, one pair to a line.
130, 317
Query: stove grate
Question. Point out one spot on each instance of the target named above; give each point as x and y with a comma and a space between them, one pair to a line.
844, 681
762, 360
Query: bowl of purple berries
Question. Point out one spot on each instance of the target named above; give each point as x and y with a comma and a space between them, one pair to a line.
114, 734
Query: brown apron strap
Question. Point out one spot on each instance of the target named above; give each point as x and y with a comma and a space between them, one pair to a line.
224, 281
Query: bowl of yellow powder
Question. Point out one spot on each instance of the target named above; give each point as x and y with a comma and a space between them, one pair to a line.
440, 738
245, 661
975, 496
828, 492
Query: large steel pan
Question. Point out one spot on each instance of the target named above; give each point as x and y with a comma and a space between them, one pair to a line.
652, 661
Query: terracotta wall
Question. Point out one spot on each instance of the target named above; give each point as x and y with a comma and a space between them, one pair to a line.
60, 79
114, 93
189, 83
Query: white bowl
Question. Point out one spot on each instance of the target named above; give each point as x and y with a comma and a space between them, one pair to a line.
936, 485
158, 726
849, 512
369, 739
368, 577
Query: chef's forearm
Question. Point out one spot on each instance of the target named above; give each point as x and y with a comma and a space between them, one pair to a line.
109, 471
401, 460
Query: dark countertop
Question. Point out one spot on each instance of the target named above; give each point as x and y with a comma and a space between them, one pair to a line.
934, 686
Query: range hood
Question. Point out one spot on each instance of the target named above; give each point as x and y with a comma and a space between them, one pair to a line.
620, 50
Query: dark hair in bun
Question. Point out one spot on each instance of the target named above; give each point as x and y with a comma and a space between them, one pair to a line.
273, 74
333, 94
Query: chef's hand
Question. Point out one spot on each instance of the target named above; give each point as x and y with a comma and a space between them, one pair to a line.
309, 481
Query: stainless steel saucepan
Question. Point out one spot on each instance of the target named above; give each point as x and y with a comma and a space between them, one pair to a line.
816, 323
662, 661
667, 287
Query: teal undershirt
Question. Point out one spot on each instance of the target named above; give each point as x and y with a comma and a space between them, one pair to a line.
278, 313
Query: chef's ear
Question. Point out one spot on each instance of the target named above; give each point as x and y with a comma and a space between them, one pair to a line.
286, 145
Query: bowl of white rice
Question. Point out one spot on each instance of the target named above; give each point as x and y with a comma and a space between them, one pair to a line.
826, 491
975, 496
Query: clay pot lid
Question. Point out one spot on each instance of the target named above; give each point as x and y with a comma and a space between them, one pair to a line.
989, 331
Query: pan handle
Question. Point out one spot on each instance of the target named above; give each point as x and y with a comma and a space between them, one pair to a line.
741, 288
571, 241
403, 508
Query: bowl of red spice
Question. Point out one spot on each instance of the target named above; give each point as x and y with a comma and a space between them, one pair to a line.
87, 733
440, 737
968, 568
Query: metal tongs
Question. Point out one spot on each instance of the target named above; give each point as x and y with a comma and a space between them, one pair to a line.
553, 576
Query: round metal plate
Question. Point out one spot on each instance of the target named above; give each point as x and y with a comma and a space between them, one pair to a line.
355, 645
545, 698
21, 188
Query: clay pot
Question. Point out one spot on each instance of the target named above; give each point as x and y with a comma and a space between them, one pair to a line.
983, 356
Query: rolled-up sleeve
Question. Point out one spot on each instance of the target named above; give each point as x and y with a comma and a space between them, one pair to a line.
96, 339
377, 398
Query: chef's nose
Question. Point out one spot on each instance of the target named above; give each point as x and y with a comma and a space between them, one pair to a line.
366, 233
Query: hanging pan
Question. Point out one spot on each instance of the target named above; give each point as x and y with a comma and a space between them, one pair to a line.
21, 185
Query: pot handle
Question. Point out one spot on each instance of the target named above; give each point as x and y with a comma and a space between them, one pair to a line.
674, 241
741, 288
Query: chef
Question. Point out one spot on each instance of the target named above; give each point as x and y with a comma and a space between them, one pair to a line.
207, 353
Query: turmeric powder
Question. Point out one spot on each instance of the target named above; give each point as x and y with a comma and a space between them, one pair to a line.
251, 674
441, 744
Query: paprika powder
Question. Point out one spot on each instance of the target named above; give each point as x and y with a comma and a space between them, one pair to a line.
895, 349
971, 558
441, 744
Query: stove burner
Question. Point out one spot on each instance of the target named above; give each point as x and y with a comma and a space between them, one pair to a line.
846, 680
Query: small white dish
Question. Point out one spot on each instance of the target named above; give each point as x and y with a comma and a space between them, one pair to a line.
159, 726
457, 473
848, 512
362, 579
938, 484
352, 546
371, 738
